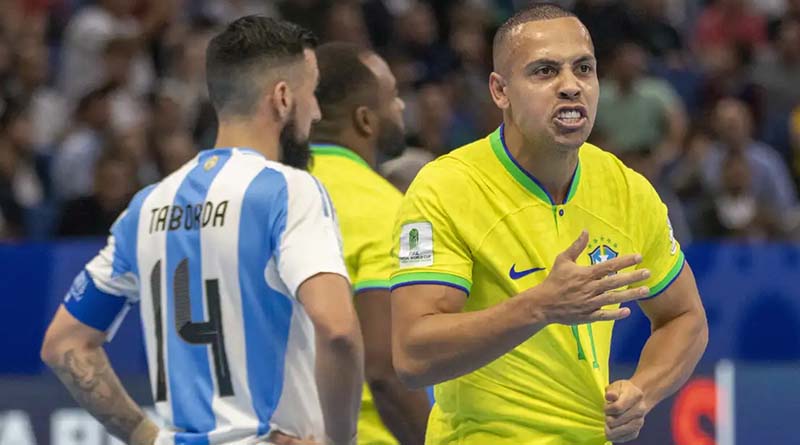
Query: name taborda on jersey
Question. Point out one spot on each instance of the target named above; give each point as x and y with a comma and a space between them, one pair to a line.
188, 217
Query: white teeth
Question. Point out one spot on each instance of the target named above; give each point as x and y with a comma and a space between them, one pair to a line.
570, 114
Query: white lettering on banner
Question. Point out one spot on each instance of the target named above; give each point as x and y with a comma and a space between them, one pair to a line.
16, 429
74, 426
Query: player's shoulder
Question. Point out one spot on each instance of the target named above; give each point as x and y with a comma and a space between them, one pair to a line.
461, 167
610, 176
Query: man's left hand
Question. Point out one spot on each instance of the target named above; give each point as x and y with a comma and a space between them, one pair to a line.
625, 410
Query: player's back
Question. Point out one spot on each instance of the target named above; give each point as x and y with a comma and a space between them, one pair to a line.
230, 351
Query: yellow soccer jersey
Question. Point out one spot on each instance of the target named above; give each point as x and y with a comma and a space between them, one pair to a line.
476, 221
366, 205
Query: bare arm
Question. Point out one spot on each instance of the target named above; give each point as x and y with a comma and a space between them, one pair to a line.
678, 339
434, 341
340, 354
75, 353
404, 411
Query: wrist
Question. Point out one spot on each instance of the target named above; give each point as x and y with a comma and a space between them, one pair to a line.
534, 310
647, 400
145, 433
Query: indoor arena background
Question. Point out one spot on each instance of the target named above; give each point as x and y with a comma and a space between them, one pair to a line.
98, 98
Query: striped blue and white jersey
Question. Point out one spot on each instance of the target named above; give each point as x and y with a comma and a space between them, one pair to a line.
214, 255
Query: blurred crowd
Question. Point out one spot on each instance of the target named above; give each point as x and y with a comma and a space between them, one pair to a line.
98, 98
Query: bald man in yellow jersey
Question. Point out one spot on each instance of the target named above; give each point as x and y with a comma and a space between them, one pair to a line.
514, 252
361, 115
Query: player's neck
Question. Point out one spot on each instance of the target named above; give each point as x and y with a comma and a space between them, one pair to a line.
245, 134
552, 167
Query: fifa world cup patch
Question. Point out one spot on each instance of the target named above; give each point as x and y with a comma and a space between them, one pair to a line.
416, 244
673, 244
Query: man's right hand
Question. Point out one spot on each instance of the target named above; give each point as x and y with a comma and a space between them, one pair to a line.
574, 294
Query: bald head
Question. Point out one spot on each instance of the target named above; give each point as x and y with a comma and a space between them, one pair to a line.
501, 47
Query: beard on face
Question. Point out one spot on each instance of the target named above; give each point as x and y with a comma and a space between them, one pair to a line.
391, 139
295, 151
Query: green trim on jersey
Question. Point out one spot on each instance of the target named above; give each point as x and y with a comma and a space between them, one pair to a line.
670, 277
371, 284
337, 150
524, 178
423, 277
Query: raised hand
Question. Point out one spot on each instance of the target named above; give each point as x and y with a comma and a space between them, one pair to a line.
573, 294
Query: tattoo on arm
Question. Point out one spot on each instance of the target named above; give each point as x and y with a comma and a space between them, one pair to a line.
92, 382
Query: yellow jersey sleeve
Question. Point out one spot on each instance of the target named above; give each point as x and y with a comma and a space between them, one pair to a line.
428, 247
661, 253
372, 264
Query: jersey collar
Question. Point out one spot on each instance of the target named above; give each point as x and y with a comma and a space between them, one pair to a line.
527, 180
337, 150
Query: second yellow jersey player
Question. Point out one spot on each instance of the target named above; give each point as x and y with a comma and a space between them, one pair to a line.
476, 221
366, 205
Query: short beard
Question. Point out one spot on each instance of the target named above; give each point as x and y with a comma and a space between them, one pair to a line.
294, 151
391, 139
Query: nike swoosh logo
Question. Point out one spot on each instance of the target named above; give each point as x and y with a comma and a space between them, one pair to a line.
516, 275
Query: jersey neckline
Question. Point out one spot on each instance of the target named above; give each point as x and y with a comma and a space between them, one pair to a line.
337, 150
217, 150
522, 176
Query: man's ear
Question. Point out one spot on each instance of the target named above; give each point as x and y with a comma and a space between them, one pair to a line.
365, 121
497, 88
282, 100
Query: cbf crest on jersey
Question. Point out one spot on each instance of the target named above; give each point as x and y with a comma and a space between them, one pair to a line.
602, 249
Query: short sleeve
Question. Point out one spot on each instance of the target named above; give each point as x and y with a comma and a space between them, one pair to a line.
309, 239
428, 248
104, 291
661, 253
372, 265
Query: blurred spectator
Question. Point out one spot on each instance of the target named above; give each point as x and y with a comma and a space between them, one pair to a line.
401, 170
418, 36
344, 22
139, 66
609, 22
112, 187
727, 74
6, 62
769, 184
173, 149
185, 87
775, 75
734, 211
133, 145
86, 37
308, 13
22, 187
635, 111
440, 128
226, 11
127, 107
73, 165
470, 38
379, 19
791, 11
47, 108
658, 36
729, 23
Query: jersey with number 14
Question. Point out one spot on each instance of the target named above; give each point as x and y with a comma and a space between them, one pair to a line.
476, 221
215, 254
